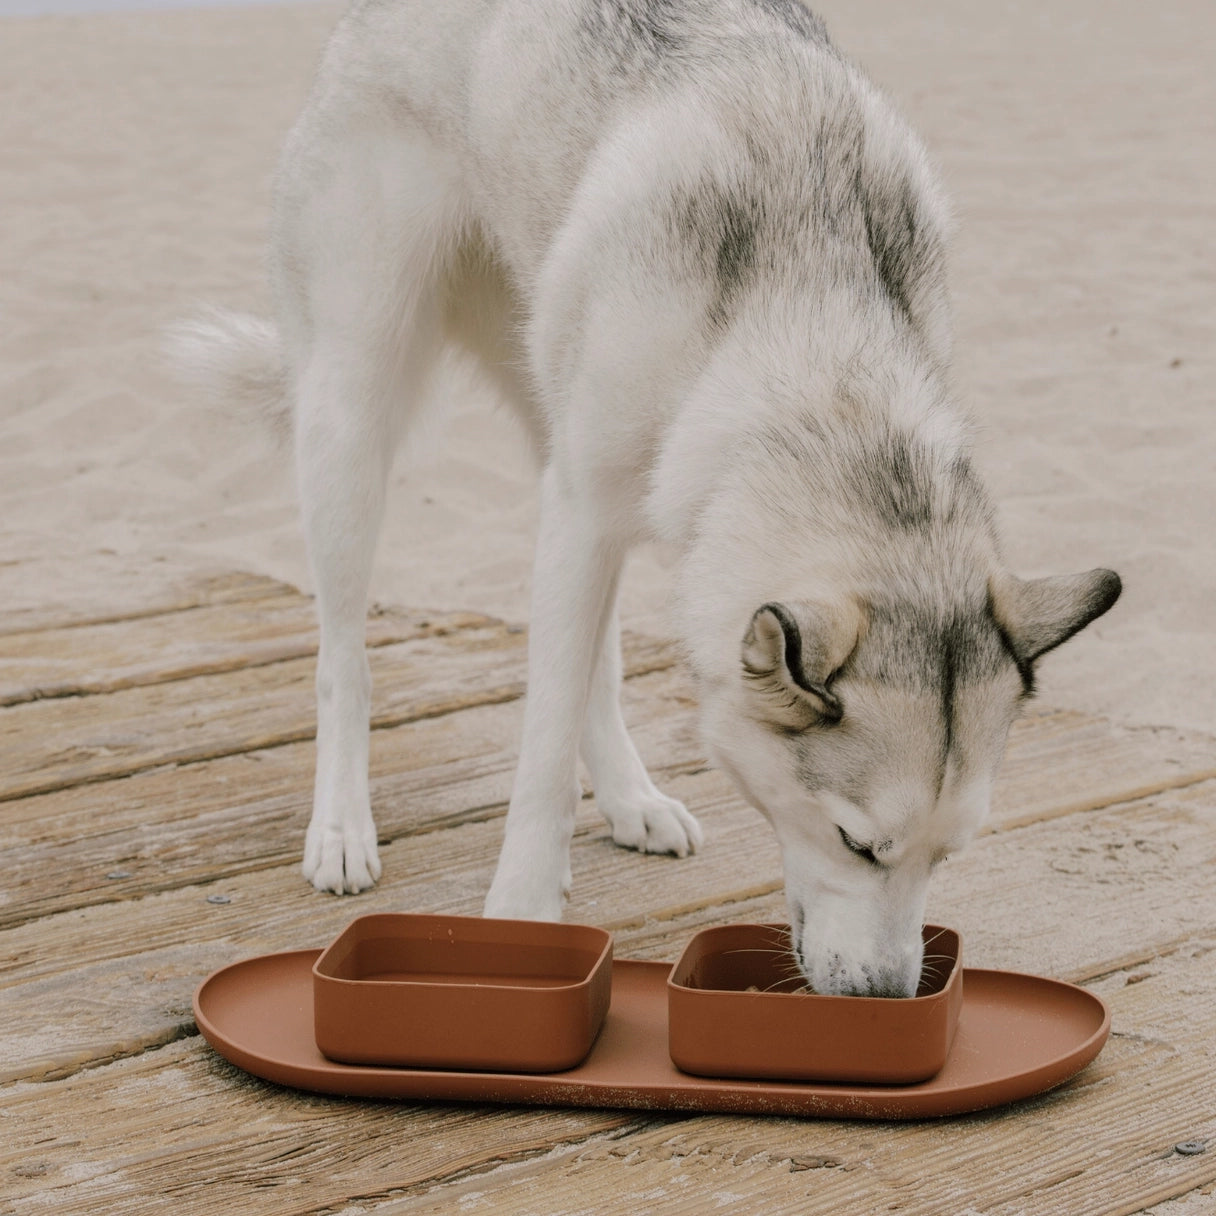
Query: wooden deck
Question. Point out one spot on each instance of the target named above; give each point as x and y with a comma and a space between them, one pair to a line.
155, 754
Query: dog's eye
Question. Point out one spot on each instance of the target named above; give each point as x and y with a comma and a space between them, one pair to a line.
864, 851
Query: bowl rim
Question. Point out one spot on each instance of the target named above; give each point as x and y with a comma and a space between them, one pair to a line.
819, 998
603, 954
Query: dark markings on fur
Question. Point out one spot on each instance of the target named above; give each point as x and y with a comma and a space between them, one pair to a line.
894, 241
799, 19
970, 649
840, 212
889, 475
1105, 593
901, 486
638, 31
873, 213
1102, 597
834, 173
833, 215
837, 213
736, 252
1025, 669
722, 231
930, 650
901, 482
793, 644
949, 679
882, 982
918, 648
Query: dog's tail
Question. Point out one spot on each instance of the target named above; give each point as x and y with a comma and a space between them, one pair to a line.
233, 361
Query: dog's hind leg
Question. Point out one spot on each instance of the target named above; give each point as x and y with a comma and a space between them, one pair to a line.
342, 466
359, 247
641, 817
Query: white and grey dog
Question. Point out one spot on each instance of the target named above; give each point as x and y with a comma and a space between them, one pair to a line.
702, 257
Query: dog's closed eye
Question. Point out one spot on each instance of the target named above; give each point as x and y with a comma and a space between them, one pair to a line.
864, 851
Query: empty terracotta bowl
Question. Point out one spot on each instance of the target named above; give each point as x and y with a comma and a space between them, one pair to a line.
462, 992
718, 1028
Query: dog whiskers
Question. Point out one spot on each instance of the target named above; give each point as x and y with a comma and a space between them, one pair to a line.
935, 968
786, 967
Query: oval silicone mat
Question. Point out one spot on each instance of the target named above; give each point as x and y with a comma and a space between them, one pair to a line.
1018, 1035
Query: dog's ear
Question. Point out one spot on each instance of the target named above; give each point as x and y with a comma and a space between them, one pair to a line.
1038, 614
790, 653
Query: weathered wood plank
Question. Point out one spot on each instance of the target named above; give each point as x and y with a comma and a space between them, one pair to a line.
1097, 868
201, 640
181, 1126
1061, 761
1161, 836
1102, 890
78, 740
442, 870
56, 590
248, 809
1014, 907
179, 1122
85, 739
1100, 1146
68, 812
1197, 1201
178, 826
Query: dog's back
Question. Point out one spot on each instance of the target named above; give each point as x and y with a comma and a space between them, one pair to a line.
720, 144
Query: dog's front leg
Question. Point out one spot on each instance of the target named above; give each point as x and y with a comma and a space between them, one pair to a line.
574, 584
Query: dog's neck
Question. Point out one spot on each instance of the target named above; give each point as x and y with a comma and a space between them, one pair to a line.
889, 482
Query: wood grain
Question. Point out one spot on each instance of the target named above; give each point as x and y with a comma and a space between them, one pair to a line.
101, 657
66, 741
155, 751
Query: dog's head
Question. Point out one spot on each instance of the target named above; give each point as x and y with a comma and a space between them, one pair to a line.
869, 734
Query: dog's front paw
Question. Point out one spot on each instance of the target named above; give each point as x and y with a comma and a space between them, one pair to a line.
344, 860
652, 823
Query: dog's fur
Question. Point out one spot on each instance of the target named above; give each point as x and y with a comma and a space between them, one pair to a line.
703, 258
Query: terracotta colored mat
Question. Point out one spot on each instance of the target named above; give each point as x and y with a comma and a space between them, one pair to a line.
1018, 1035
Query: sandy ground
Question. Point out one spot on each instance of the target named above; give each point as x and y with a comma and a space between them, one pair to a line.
1076, 136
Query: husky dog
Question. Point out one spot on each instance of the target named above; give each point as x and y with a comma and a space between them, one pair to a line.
704, 260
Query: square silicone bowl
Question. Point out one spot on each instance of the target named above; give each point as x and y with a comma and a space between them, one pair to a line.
717, 1028
462, 992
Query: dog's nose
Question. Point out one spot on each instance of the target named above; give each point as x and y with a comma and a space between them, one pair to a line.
841, 977
885, 982
877, 984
